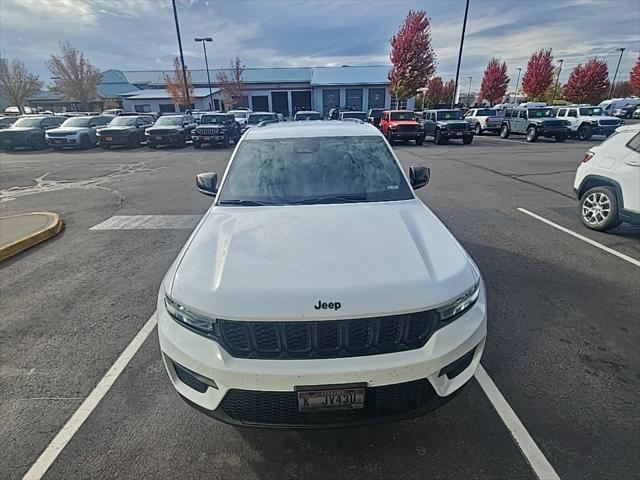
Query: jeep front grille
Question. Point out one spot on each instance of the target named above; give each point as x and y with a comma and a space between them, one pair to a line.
208, 131
609, 122
327, 338
407, 128
459, 126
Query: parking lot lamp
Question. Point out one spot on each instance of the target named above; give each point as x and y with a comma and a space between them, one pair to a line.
613, 84
469, 93
206, 64
515, 95
555, 89
464, 27
184, 70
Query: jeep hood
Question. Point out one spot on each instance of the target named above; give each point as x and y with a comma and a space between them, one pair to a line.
403, 122
118, 128
68, 130
22, 129
278, 262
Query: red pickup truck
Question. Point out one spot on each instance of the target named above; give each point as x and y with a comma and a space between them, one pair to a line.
401, 125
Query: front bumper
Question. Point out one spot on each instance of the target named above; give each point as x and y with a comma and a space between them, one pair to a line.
552, 131
66, 141
243, 385
16, 142
456, 134
604, 129
171, 139
208, 139
407, 135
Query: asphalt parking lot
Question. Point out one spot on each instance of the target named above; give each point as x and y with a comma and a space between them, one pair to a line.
562, 346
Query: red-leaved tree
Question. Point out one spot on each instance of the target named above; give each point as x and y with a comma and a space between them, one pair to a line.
539, 74
448, 91
411, 55
494, 82
588, 83
634, 76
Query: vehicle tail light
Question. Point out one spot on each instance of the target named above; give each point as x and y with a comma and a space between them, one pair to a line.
587, 157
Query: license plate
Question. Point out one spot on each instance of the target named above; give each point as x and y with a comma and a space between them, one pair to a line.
58, 141
109, 139
330, 398
206, 138
459, 134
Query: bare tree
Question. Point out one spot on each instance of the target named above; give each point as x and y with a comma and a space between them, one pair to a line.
17, 82
232, 83
74, 75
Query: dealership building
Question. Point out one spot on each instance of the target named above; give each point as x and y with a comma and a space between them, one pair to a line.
281, 90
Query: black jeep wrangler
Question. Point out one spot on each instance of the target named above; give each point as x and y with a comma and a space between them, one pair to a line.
216, 128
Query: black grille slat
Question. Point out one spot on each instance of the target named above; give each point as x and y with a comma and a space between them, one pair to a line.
327, 338
609, 122
274, 408
458, 126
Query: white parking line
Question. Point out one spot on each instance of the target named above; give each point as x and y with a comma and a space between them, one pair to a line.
539, 463
46, 458
627, 258
149, 222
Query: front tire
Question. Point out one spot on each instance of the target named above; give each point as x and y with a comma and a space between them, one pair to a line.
438, 139
532, 134
419, 141
585, 132
225, 142
599, 209
197, 145
478, 129
504, 132
389, 138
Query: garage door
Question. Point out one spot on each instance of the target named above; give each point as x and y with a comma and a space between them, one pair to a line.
330, 99
300, 101
354, 99
280, 103
260, 103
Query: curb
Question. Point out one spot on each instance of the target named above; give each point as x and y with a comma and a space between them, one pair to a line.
33, 238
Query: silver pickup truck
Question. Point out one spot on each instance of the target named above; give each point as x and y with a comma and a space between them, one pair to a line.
483, 120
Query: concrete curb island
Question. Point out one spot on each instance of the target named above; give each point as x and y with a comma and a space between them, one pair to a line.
19, 232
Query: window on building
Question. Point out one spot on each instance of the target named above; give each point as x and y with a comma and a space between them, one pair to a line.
167, 107
397, 104
142, 108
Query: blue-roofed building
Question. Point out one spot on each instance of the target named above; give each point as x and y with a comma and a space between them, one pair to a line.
159, 100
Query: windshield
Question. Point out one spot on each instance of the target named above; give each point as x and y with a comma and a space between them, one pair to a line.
360, 115
254, 119
307, 116
313, 170
450, 115
240, 114
541, 112
123, 121
403, 116
77, 122
590, 111
170, 120
213, 119
28, 122
487, 112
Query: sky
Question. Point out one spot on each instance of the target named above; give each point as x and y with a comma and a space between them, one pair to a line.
140, 34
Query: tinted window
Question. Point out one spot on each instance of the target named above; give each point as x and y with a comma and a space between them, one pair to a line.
307, 116
540, 112
562, 112
255, 118
590, 111
359, 115
170, 120
403, 116
28, 122
77, 122
123, 121
572, 113
212, 119
507, 114
240, 114
449, 115
314, 170
486, 112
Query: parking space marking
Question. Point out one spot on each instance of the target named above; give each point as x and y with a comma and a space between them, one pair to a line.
627, 258
46, 458
149, 222
526, 444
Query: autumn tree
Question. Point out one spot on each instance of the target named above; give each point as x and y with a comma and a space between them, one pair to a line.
232, 83
17, 82
449, 91
176, 87
494, 82
74, 76
588, 83
434, 92
411, 55
634, 76
539, 74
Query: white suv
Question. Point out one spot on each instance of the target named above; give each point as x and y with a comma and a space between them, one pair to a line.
584, 122
607, 182
318, 290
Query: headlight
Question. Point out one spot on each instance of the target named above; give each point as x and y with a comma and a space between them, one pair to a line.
460, 305
195, 321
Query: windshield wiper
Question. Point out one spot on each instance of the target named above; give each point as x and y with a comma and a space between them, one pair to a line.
331, 199
246, 203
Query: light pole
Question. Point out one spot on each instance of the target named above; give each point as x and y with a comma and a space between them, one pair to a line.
515, 95
464, 27
206, 64
184, 70
555, 89
469, 93
613, 84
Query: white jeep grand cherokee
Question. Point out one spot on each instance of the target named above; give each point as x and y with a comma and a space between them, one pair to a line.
318, 290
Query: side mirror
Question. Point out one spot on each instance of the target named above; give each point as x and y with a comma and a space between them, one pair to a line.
419, 176
207, 183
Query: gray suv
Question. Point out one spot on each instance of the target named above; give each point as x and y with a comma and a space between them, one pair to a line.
534, 123
445, 125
